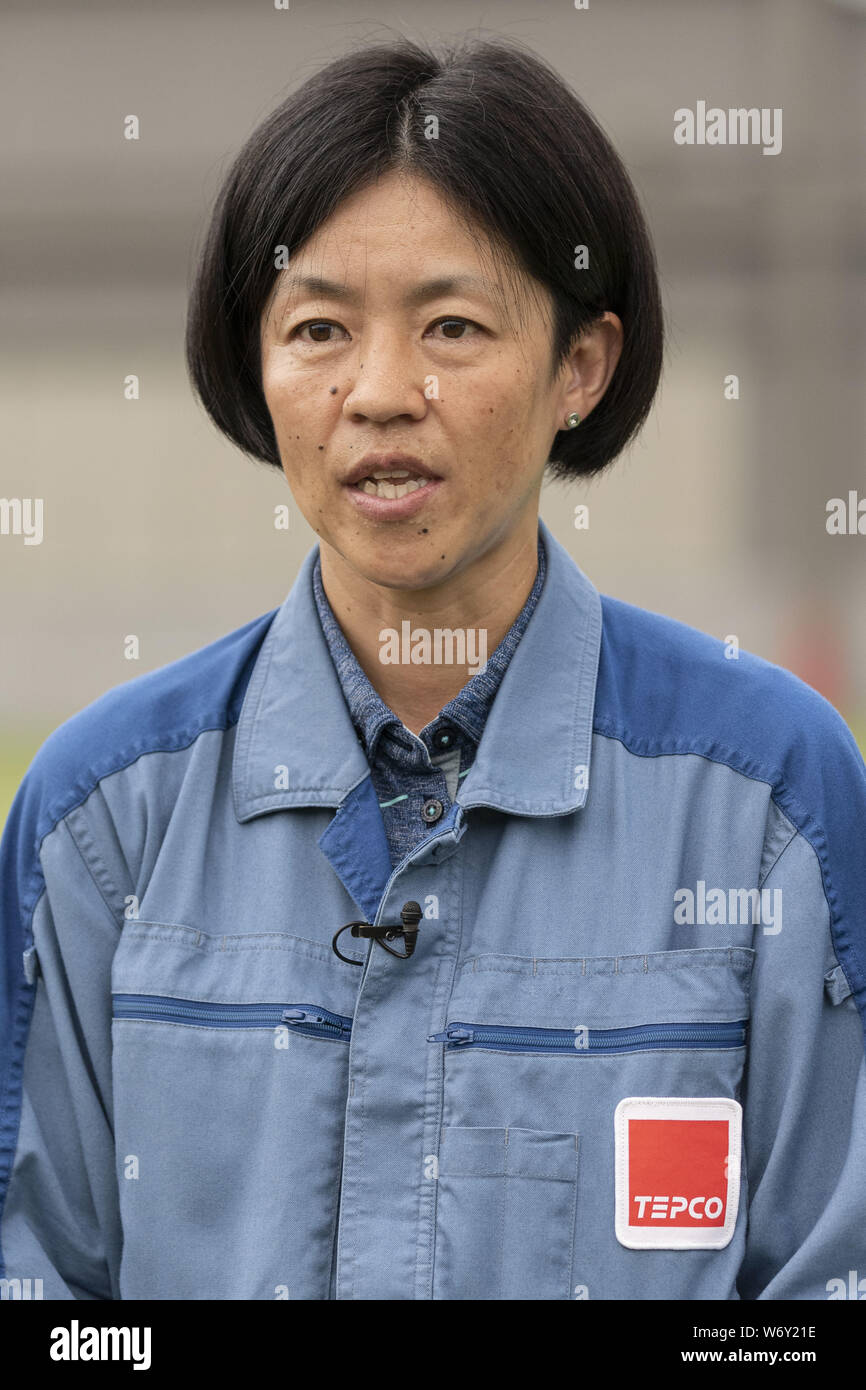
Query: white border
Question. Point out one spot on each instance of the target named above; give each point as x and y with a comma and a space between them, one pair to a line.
676, 1108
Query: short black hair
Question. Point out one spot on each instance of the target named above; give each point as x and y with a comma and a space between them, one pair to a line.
517, 153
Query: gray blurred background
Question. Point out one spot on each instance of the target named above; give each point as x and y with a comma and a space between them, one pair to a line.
155, 526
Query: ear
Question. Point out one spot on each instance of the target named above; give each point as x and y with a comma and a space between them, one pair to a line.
591, 362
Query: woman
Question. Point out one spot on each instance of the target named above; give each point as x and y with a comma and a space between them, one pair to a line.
590, 1028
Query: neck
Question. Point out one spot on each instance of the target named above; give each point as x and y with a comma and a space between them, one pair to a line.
480, 604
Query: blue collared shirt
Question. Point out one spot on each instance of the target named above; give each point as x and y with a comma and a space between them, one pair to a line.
416, 776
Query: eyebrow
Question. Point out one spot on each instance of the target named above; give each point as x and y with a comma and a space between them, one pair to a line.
316, 285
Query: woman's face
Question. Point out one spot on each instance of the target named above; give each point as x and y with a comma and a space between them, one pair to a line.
390, 359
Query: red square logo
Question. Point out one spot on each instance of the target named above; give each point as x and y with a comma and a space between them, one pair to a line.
678, 1172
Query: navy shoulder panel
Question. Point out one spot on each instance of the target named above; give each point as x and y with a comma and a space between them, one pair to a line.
664, 688
158, 711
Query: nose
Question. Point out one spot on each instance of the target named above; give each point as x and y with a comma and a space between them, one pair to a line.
388, 382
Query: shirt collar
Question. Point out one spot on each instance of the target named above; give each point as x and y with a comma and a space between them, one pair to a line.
470, 706
296, 745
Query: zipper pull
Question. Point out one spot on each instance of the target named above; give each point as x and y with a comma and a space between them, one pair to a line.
452, 1035
301, 1016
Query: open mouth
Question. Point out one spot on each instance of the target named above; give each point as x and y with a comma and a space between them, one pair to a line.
392, 483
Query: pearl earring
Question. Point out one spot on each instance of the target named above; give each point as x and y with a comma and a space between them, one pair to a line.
572, 420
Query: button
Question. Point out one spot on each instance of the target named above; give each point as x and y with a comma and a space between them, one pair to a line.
444, 738
432, 810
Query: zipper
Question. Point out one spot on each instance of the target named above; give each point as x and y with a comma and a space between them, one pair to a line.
644, 1037
309, 1019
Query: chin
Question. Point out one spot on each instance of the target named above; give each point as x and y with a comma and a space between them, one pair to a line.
409, 571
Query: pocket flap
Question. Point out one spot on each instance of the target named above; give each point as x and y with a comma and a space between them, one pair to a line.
709, 984
480, 1152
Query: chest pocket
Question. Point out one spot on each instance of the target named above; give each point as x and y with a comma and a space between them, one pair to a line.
537, 1054
230, 1067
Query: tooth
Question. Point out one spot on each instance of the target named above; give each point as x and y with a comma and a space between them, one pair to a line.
389, 490
391, 473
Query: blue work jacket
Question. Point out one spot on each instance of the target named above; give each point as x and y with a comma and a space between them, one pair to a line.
624, 1061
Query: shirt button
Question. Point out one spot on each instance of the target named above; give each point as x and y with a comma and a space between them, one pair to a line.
432, 810
444, 738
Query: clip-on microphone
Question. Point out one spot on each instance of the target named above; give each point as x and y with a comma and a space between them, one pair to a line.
410, 916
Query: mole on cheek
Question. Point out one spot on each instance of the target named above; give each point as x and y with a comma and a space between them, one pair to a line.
333, 390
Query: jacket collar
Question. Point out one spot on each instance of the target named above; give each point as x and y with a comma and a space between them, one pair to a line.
296, 745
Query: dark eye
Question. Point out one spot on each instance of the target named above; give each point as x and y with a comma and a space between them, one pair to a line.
447, 325
317, 327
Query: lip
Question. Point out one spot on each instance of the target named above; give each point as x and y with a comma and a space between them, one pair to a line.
371, 463
391, 508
